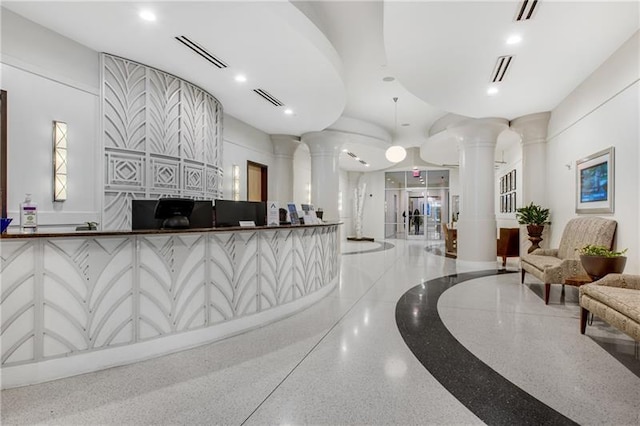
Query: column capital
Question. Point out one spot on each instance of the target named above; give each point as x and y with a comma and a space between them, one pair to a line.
325, 142
532, 128
285, 145
478, 131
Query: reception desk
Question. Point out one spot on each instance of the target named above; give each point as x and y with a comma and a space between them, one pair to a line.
80, 302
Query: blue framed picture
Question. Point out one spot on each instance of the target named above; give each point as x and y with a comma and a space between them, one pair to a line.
595, 176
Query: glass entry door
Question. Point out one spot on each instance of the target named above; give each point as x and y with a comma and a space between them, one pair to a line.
416, 214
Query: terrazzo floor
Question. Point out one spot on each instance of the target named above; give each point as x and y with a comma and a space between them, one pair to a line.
344, 360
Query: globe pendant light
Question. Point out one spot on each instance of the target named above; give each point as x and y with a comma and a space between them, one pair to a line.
395, 153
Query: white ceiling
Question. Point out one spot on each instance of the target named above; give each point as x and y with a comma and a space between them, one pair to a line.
326, 59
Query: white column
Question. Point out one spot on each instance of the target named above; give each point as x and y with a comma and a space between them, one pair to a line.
532, 129
324, 148
284, 146
477, 221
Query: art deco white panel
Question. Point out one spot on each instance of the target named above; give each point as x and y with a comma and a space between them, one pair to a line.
276, 268
172, 284
87, 294
305, 260
18, 300
162, 137
61, 297
233, 275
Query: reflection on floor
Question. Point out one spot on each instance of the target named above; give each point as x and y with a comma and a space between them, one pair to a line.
343, 361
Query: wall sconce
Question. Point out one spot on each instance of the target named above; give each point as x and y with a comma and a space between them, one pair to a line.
59, 161
235, 173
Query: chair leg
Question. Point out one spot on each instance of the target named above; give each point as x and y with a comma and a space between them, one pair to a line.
547, 290
522, 278
584, 314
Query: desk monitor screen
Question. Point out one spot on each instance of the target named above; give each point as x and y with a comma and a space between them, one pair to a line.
230, 213
143, 215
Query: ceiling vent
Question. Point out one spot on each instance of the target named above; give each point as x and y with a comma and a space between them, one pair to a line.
526, 9
201, 51
268, 97
363, 162
351, 154
501, 68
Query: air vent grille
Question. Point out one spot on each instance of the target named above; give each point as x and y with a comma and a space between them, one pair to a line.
502, 66
526, 9
268, 97
202, 52
351, 154
363, 162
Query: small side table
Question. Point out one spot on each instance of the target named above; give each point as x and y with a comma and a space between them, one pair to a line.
578, 280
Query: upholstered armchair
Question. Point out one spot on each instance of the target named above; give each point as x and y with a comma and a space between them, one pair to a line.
450, 241
553, 266
614, 299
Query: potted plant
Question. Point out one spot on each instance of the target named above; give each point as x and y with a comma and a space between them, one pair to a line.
535, 217
599, 261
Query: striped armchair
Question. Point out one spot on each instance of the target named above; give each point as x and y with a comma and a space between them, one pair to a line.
553, 266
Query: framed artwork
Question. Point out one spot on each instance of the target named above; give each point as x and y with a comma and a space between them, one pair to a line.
595, 177
513, 202
513, 172
502, 204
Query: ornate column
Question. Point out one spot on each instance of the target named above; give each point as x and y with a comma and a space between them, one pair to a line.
284, 146
325, 148
477, 221
533, 133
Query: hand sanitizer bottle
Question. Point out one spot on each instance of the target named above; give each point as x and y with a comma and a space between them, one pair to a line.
28, 216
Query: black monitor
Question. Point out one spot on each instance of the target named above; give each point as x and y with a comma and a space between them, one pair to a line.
174, 212
230, 213
143, 215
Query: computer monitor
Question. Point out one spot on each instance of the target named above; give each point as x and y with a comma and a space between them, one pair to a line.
230, 213
174, 212
143, 215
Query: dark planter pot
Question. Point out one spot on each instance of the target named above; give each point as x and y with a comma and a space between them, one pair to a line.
535, 232
599, 266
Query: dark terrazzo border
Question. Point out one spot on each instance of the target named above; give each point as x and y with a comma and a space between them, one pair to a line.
382, 247
491, 397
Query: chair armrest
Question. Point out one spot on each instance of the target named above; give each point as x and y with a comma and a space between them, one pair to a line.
545, 252
621, 280
568, 268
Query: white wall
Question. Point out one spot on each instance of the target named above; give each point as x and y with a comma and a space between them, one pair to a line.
602, 112
49, 77
241, 143
513, 161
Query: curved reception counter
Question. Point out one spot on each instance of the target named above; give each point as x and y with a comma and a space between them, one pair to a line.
75, 303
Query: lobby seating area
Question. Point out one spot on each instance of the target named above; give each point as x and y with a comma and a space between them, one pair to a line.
554, 266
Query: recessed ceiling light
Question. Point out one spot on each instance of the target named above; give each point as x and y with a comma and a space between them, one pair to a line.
240, 78
357, 158
388, 79
366, 165
147, 15
492, 90
288, 111
514, 39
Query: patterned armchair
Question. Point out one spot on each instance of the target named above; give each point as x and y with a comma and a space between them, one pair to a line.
616, 300
553, 266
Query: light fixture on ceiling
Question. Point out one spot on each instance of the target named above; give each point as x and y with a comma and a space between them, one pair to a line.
395, 153
288, 111
492, 90
514, 39
59, 161
147, 15
240, 78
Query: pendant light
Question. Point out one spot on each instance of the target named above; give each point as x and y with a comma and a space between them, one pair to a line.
395, 153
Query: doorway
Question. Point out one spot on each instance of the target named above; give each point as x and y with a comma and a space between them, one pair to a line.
257, 175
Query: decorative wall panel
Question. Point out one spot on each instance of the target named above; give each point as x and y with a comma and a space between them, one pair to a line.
64, 296
162, 137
